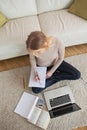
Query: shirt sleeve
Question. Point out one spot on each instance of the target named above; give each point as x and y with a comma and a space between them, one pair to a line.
61, 53
33, 63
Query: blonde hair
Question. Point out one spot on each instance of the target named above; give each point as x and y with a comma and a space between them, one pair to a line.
36, 40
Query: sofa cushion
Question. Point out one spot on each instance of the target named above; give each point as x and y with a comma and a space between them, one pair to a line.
50, 5
3, 19
69, 27
14, 34
18, 8
79, 7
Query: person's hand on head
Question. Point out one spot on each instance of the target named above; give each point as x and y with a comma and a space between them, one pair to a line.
48, 74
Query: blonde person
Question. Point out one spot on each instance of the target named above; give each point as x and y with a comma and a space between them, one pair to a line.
49, 51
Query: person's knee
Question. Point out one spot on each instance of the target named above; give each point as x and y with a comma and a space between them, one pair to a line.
37, 90
77, 75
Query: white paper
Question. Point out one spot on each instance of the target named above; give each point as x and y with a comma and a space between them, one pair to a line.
34, 115
43, 120
26, 104
42, 74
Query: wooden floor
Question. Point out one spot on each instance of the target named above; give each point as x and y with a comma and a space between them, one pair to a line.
24, 60
81, 128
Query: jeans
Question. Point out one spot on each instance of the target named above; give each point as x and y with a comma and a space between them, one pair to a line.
64, 72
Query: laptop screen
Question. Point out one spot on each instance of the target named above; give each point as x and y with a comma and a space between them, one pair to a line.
64, 110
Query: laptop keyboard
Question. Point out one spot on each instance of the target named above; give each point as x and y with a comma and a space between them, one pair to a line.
60, 100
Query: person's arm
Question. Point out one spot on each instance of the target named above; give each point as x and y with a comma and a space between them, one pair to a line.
61, 53
33, 63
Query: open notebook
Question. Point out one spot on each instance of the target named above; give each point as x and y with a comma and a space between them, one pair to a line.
42, 74
27, 108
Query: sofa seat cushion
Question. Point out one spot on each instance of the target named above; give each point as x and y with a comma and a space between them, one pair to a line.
14, 34
69, 27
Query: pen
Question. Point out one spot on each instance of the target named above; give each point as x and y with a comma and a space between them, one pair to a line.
39, 80
24, 83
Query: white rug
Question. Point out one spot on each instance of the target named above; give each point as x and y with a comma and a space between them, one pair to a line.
11, 89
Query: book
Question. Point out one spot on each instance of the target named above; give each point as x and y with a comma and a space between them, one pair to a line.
27, 108
42, 74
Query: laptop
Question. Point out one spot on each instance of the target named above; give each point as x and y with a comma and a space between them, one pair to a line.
60, 101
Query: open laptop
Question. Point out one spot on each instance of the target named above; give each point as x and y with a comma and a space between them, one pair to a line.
60, 101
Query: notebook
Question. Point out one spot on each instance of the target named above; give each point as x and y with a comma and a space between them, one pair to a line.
60, 101
42, 74
27, 107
